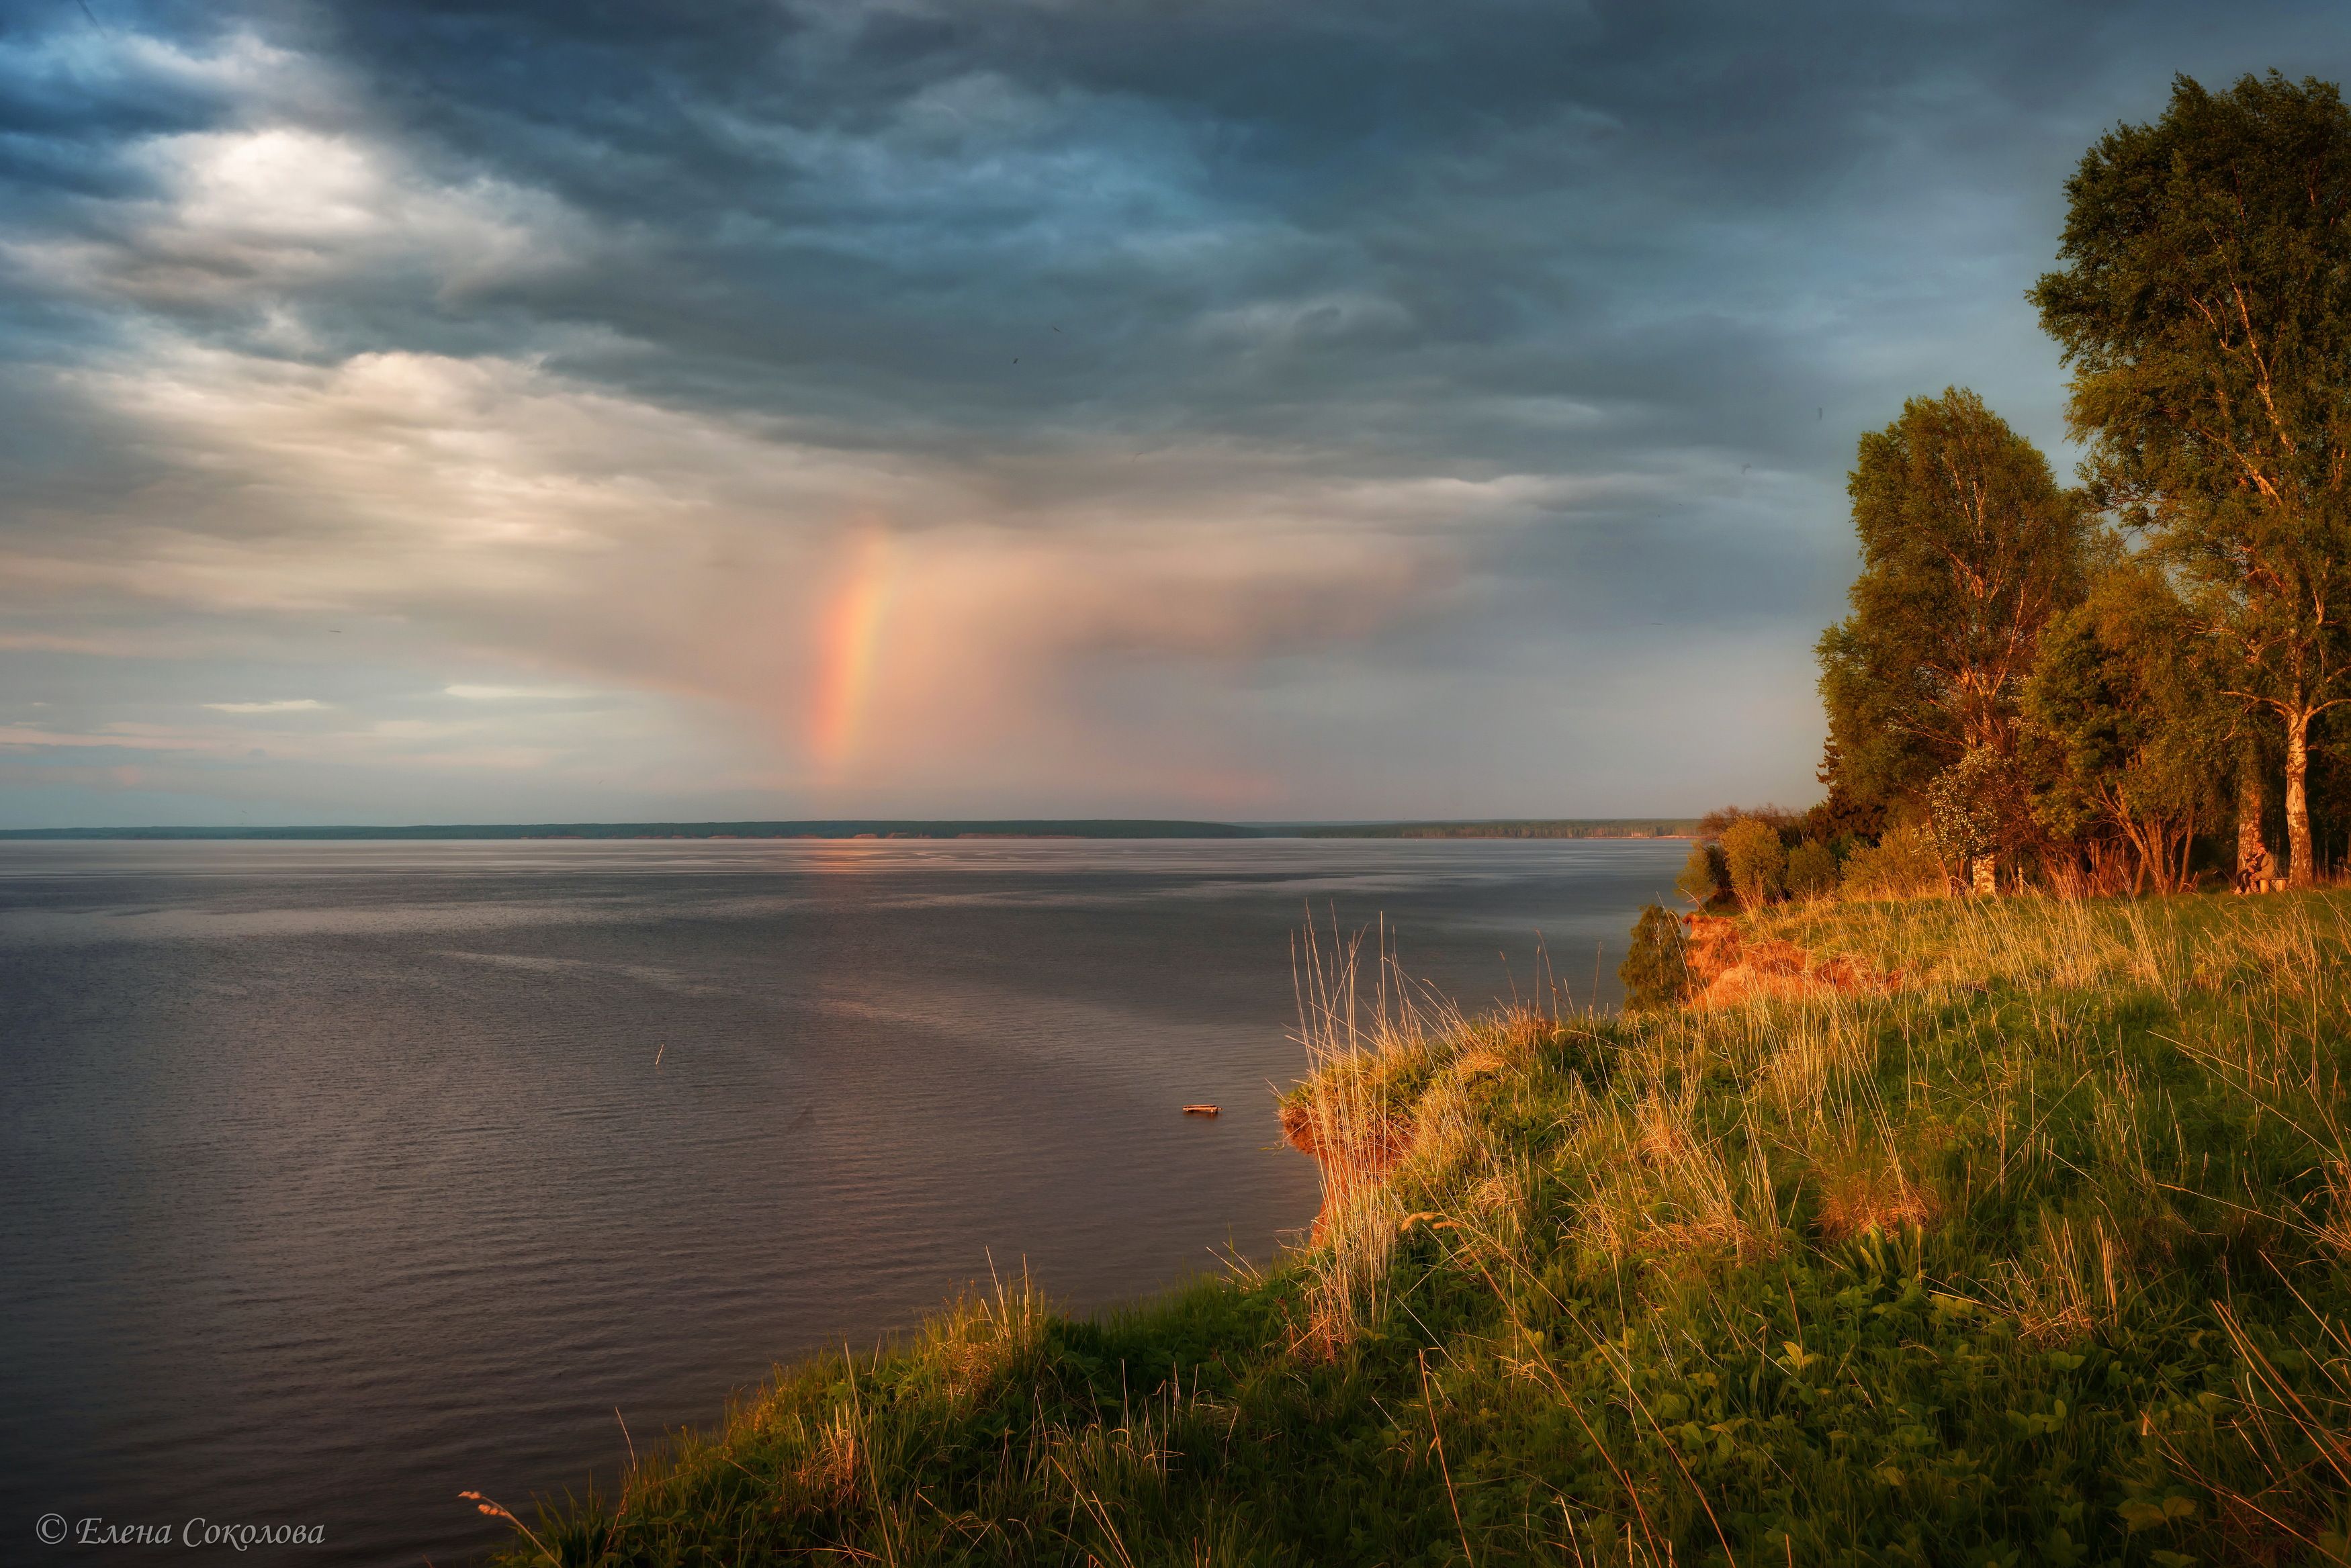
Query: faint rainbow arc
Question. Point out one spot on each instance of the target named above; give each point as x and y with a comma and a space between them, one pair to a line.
848, 645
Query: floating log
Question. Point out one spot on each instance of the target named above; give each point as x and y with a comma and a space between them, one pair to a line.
1199, 1110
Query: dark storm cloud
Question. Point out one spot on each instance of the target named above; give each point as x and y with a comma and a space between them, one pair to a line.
1262, 218
1544, 329
874, 210
911, 197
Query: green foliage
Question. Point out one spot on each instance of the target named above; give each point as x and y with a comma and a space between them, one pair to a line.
1656, 971
1788, 825
1705, 879
1968, 548
1841, 813
1902, 864
2139, 733
2037, 1260
1811, 870
1967, 810
1756, 861
2205, 308
1540, 827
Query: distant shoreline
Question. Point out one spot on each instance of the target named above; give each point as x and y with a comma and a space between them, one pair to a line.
904, 828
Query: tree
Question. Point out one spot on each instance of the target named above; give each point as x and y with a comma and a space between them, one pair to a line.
1756, 860
1968, 548
2255, 864
1840, 813
2140, 733
2205, 308
1656, 971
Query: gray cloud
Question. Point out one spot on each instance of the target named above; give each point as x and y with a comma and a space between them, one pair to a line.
1241, 386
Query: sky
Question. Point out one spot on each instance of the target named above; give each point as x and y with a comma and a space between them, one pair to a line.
1251, 409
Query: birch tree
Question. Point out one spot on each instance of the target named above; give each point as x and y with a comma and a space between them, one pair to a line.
2204, 306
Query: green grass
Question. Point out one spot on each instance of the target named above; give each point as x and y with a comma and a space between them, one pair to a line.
2039, 1258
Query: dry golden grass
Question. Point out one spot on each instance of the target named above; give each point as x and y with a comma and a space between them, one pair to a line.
2335, 1225
984, 1338
1396, 1110
1664, 1193
1350, 1118
2072, 1284
1873, 1194
832, 1471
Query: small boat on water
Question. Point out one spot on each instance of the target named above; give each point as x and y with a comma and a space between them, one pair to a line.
1199, 1110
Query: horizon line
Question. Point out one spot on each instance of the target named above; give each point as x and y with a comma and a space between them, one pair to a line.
855, 827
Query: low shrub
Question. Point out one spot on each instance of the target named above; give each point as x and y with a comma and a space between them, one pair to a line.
1756, 861
1813, 870
1902, 864
1705, 879
1656, 971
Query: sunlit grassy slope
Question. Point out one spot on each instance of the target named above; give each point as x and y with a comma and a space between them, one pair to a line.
2039, 1258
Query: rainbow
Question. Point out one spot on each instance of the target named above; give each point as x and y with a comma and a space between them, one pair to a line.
849, 640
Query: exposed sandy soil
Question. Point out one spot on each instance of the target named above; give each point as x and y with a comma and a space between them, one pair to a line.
1729, 965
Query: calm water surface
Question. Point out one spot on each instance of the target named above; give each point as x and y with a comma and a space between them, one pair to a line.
341, 1178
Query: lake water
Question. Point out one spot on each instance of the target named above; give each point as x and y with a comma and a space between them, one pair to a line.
341, 1178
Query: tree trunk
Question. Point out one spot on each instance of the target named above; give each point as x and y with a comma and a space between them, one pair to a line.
2253, 855
2153, 841
2302, 868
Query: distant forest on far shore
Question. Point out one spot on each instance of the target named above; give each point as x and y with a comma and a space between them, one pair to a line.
852, 827
1563, 828
841, 827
